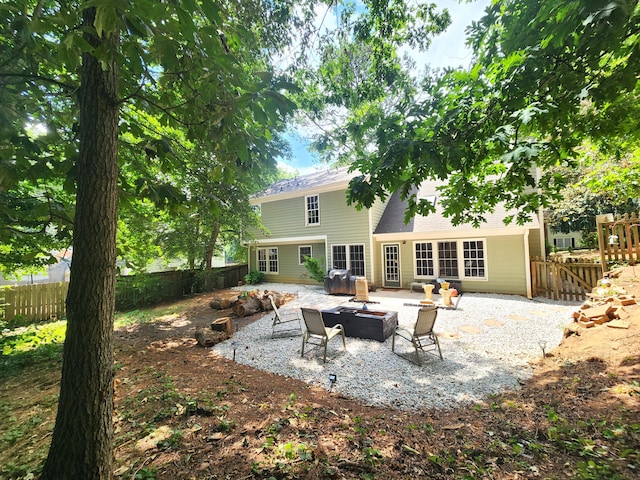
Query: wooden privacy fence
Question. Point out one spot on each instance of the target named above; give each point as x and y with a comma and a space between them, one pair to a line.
151, 288
44, 301
569, 280
618, 238
33, 303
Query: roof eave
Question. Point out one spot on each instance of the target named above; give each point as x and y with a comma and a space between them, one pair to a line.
299, 192
453, 233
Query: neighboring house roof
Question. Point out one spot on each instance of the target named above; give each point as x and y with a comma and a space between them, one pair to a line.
392, 220
327, 180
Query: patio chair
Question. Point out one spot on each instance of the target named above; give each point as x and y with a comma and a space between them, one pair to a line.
316, 331
289, 317
421, 336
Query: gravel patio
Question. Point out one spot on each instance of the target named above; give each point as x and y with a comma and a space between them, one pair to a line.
488, 343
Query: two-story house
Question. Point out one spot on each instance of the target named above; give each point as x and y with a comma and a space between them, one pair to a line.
309, 216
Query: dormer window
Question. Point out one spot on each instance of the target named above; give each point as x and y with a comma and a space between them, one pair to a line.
312, 204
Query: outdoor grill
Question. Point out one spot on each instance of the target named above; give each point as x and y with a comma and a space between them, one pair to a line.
340, 282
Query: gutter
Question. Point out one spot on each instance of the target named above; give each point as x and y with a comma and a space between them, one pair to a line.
527, 264
371, 252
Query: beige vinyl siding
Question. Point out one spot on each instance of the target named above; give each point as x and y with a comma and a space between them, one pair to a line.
340, 223
406, 263
377, 258
290, 271
377, 209
505, 265
344, 225
536, 249
286, 218
372, 257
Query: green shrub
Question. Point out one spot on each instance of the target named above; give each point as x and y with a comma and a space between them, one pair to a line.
590, 240
254, 277
315, 270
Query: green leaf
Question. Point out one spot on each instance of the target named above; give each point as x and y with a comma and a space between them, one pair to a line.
106, 19
211, 11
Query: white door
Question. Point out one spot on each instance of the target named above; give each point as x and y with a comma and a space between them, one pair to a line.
391, 259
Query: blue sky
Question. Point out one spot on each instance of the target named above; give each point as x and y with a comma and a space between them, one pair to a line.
446, 50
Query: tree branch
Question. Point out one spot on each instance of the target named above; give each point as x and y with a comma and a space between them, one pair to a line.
28, 76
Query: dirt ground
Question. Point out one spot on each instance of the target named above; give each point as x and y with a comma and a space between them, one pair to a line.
183, 412
261, 425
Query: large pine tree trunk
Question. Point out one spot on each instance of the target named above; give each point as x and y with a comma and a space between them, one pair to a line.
81, 446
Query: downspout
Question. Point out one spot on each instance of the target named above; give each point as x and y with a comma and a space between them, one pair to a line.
248, 244
371, 253
543, 227
326, 254
527, 263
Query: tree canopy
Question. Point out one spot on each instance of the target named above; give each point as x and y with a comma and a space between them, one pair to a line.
164, 104
597, 184
198, 73
546, 76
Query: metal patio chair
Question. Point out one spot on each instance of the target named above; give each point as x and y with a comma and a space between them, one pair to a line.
287, 317
316, 331
421, 336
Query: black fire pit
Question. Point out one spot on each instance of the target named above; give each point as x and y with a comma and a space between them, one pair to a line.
372, 324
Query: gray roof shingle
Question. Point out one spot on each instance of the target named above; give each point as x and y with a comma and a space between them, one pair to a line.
321, 178
392, 220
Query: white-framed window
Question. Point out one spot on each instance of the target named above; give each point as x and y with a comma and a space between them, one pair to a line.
450, 259
312, 209
356, 260
304, 251
423, 254
564, 243
349, 257
268, 260
339, 257
474, 261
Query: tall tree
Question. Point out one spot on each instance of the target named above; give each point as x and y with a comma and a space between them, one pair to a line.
81, 445
183, 214
362, 76
200, 66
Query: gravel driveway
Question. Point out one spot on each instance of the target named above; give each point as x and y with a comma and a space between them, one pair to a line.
487, 344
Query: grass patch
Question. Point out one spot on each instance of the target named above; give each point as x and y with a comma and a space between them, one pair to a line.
142, 316
30, 359
26, 346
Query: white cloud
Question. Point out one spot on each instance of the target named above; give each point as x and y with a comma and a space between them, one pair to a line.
449, 49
